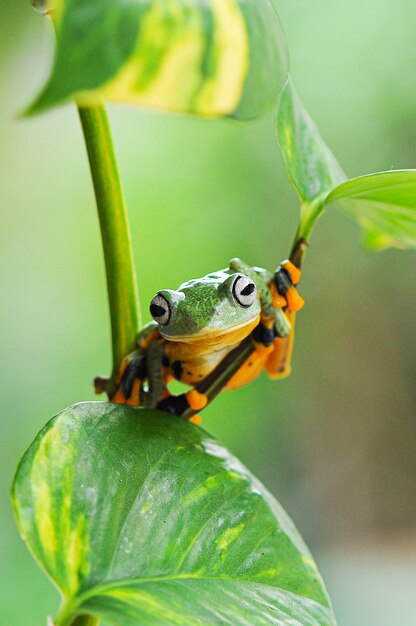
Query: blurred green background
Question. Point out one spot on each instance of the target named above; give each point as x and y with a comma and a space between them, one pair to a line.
336, 441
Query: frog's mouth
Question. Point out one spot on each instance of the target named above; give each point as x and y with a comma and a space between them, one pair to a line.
213, 336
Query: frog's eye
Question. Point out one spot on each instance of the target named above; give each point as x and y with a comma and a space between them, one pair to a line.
160, 309
244, 291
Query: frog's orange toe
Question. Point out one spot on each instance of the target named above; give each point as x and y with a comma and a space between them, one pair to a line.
196, 400
294, 300
119, 397
278, 301
293, 271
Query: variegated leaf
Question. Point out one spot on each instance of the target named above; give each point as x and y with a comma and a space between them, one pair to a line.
205, 57
143, 518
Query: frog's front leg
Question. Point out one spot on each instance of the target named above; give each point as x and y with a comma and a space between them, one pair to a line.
188, 404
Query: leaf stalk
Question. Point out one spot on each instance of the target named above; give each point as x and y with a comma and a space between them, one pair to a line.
309, 213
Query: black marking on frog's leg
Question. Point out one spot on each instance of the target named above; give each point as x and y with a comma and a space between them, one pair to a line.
136, 368
262, 334
177, 370
165, 361
282, 281
176, 405
286, 288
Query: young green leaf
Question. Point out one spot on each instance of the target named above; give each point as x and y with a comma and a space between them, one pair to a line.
384, 204
142, 518
311, 166
211, 58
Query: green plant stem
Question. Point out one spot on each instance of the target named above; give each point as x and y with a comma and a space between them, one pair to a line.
309, 214
85, 620
118, 254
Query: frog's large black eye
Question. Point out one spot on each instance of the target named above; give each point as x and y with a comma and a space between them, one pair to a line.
160, 309
244, 291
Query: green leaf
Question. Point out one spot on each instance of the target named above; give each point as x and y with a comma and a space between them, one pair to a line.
375, 240
142, 518
210, 58
311, 166
384, 204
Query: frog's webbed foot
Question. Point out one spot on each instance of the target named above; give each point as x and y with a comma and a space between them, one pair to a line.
130, 379
285, 294
185, 404
176, 405
141, 377
285, 298
179, 406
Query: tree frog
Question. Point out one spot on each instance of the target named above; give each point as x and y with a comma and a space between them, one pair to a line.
212, 333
